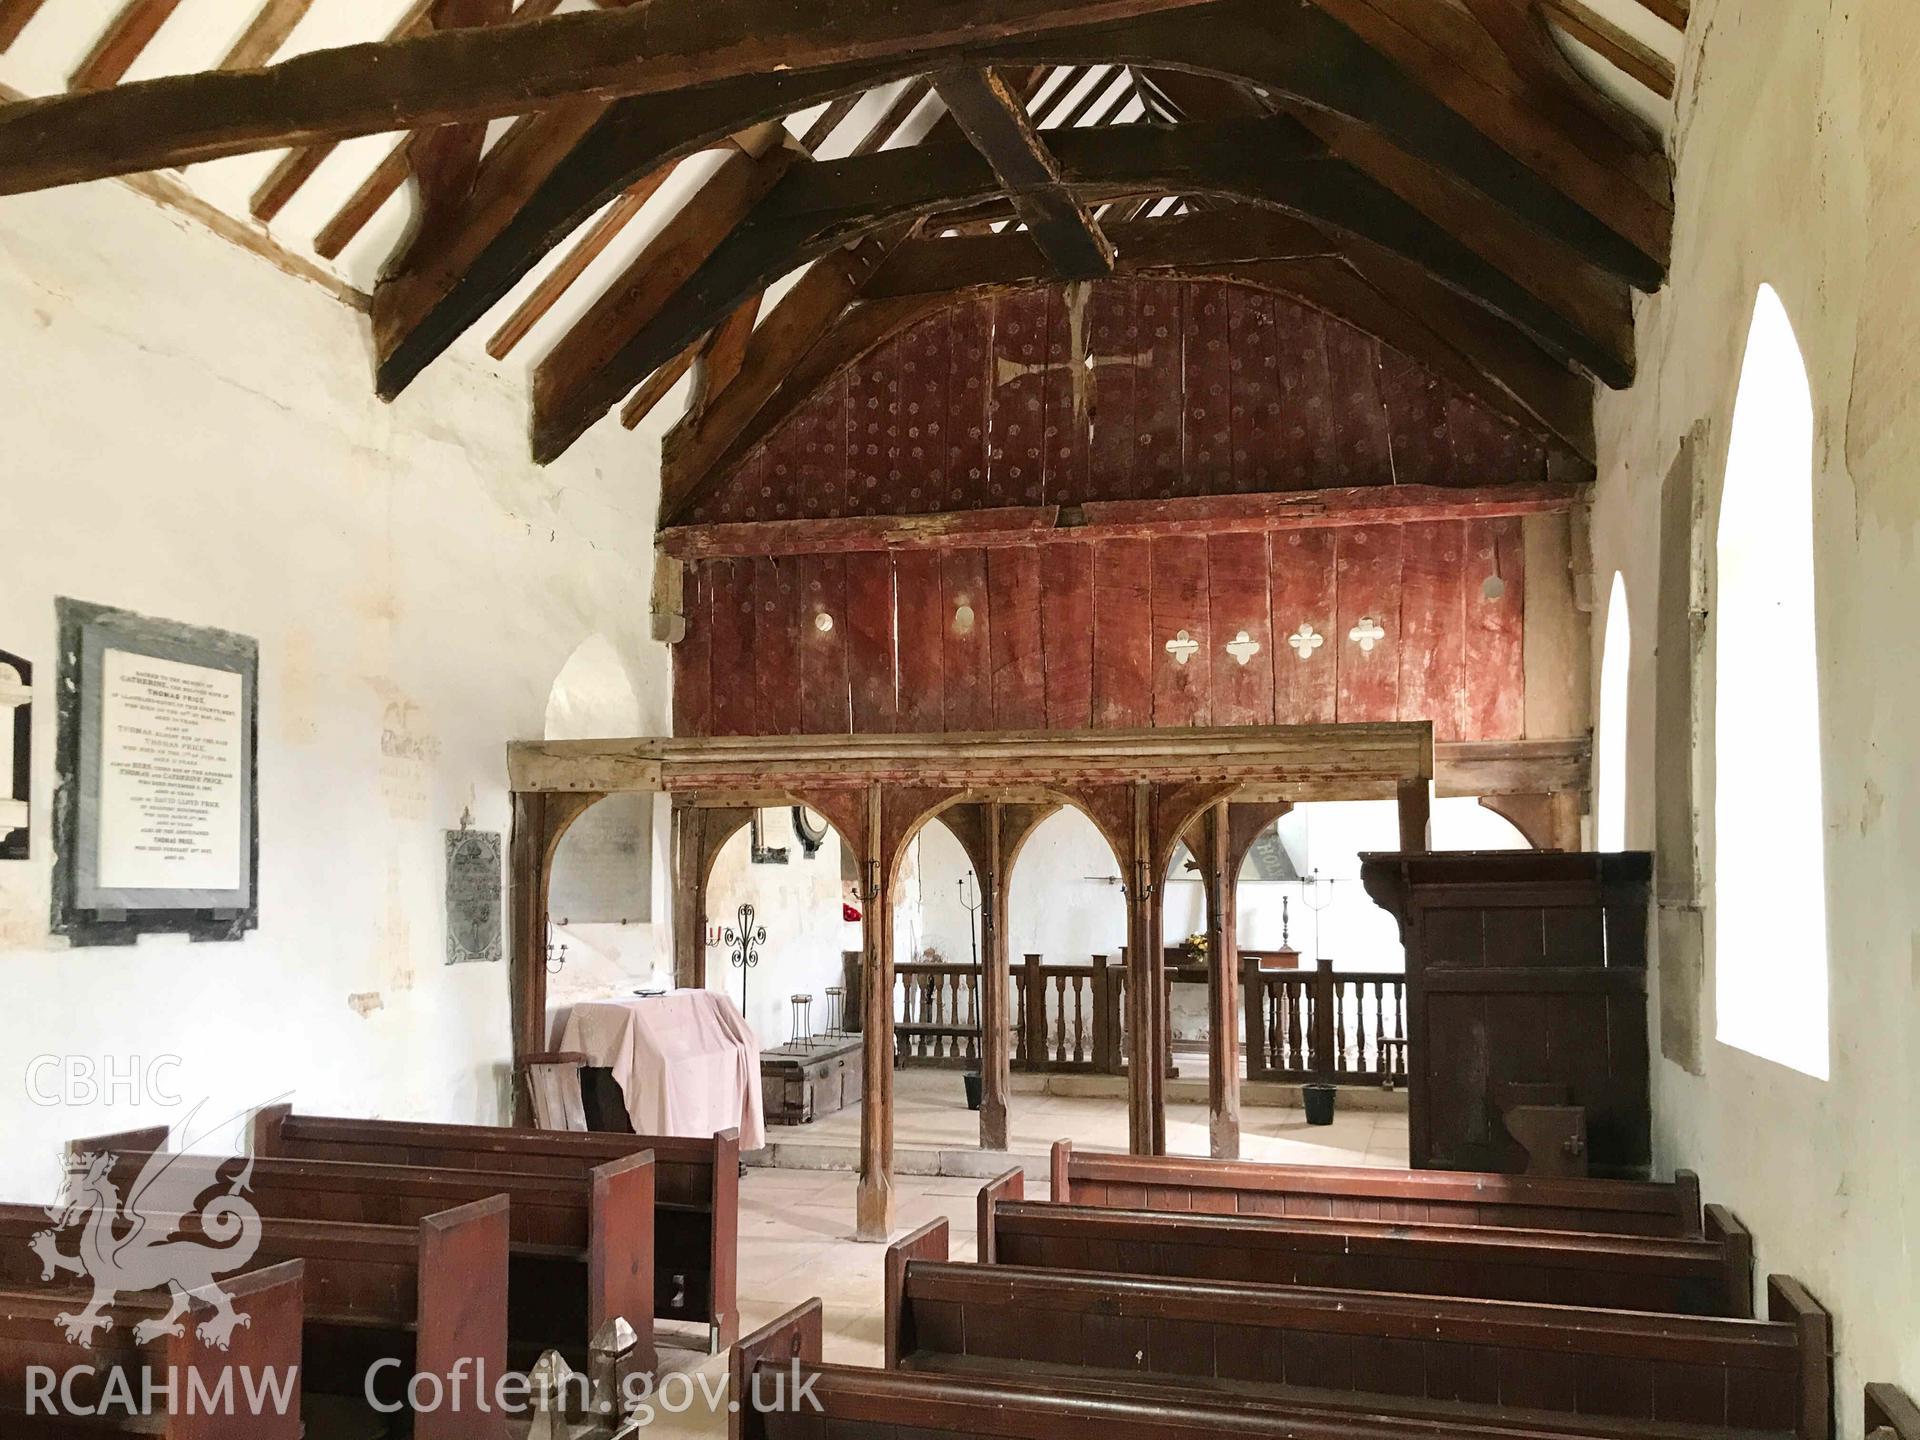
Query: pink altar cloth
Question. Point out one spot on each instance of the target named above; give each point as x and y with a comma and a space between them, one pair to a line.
686, 1062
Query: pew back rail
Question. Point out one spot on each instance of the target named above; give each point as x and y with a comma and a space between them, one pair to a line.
1141, 1182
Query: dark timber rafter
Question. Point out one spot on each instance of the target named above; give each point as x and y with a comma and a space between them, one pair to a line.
997, 123
1273, 163
463, 76
568, 163
571, 171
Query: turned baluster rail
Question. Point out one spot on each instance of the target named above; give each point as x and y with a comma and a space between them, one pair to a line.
1333, 1026
936, 1014
1319, 1024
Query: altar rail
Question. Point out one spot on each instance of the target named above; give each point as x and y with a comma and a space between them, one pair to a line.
1338, 1026
1335, 1026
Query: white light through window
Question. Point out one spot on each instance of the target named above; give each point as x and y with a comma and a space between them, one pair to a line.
1610, 809
1769, 853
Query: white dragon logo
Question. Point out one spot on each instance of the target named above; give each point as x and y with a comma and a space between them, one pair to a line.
135, 1245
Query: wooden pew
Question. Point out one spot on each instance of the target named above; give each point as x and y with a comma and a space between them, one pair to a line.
259, 1367
427, 1299
1891, 1414
1710, 1276
1419, 1355
785, 1393
582, 1245
1453, 1197
696, 1199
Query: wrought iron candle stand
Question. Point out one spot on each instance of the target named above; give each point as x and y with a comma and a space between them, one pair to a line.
745, 942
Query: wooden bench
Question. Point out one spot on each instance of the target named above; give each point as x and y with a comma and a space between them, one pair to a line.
425, 1299
696, 1189
1479, 1360
259, 1367
1891, 1414
581, 1245
1709, 1276
1453, 1197
771, 1367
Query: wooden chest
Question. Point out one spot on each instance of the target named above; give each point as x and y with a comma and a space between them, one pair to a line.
800, 1085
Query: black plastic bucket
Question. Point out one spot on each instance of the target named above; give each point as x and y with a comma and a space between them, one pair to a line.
972, 1079
1319, 1102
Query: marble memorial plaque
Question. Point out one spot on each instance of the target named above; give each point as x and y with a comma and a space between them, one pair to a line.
172, 742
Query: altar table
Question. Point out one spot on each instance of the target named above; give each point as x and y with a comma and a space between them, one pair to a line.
686, 1062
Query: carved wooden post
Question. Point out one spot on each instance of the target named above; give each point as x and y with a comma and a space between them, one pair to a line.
1146, 980
1033, 985
874, 1201
1320, 1057
527, 993
1106, 1018
996, 1027
689, 899
1223, 994
1253, 1008
539, 822
1415, 814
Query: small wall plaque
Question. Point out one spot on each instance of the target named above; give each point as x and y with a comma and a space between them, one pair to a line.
474, 897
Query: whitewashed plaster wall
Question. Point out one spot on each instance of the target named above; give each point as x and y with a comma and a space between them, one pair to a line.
799, 903
1799, 166
189, 433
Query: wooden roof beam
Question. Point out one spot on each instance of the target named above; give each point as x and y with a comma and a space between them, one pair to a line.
580, 361
1675, 12
115, 51
272, 26
1619, 48
1614, 201
15, 15
575, 263
1122, 519
996, 121
1273, 163
572, 170
461, 76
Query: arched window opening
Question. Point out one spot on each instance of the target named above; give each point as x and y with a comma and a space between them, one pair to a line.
1769, 853
1610, 805
593, 696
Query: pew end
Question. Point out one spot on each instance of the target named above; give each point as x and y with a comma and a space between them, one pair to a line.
122, 1142
929, 1242
1010, 1186
1788, 1302
1686, 1191
795, 1337
264, 1134
462, 1308
620, 1262
1891, 1413
1724, 1228
268, 1345
1060, 1173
